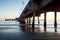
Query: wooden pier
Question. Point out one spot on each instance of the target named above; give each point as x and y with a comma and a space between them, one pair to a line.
36, 8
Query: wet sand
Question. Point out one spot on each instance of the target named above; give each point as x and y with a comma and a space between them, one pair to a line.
15, 34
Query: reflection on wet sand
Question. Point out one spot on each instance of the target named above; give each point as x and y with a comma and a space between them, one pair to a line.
29, 28
39, 29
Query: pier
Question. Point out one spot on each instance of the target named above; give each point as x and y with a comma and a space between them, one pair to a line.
35, 8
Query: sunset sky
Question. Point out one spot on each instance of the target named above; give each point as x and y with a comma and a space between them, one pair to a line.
50, 16
13, 8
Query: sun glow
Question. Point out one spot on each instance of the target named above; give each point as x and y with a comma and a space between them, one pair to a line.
49, 16
58, 16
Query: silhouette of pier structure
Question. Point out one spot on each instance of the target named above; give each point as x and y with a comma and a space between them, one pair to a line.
36, 8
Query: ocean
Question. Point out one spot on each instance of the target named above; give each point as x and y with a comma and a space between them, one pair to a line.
49, 25
11, 30
9, 26
14, 26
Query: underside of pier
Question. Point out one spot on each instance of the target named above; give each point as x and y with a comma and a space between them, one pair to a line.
35, 8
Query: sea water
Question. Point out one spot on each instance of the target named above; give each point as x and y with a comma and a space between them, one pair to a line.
14, 26
49, 26
9, 26
10, 30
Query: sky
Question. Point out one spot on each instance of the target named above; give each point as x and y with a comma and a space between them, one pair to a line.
49, 17
11, 8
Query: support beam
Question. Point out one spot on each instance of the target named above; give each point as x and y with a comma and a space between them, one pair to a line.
33, 23
55, 22
27, 24
38, 22
45, 22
